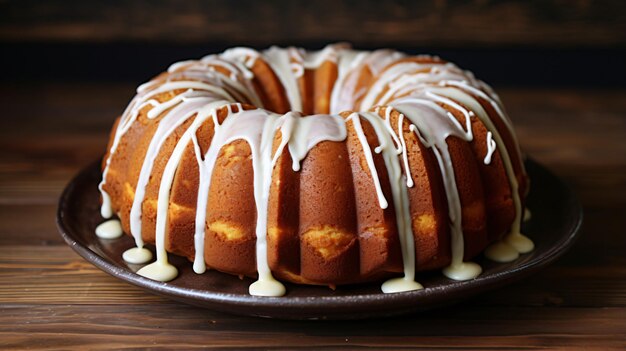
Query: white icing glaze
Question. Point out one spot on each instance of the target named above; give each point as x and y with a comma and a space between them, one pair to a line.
180, 108
246, 55
399, 195
527, 215
401, 284
405, 154
174, 119
501, 252
180, 65
257, 127
462, 271
349, 61
402, 78
306, 132
162, 272
280, 62
208, 110
111, 229
144, 98
434, 125
313, 60
344, 93
297, 70
367, 151
413, 89
493, 99
491, 148
240, 79
137, 255
520, 242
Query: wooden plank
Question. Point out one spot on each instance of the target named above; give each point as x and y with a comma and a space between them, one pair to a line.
56, 275
587, 122
577, 134
366, 22
178, 326
30, 224
35, 169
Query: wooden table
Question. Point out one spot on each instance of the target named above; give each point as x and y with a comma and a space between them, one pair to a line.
52, 298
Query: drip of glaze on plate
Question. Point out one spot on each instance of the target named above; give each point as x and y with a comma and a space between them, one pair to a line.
111, 229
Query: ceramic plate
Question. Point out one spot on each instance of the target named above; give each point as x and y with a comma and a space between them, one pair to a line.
555, 223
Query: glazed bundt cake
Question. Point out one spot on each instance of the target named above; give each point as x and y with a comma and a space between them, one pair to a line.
330, 167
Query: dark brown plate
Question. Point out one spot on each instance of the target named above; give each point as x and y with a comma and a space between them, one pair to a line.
555, 223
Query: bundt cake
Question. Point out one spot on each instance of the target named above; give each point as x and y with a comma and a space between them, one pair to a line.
330, 167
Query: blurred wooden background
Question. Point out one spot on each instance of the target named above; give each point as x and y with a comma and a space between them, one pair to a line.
364, 22
559, 43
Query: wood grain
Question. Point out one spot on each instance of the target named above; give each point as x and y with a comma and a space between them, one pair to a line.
365, 22
176, 326
52, 298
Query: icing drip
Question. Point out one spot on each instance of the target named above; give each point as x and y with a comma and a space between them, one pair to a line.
208, 110
261, 146
240, 54
182, 107
306, 132
137, 255
344, 93
257, 127
491, 147
144, 98
493, 99
348, 62
318, 128
313, 60
247, 87
279, 60
159, 270
433, 125
356, 121
258, 130
174, 119
515, 238
111, 229
403, 77
527, 215
297, 69
501, 252
520, 242
405, 154
126, 121
152, 270
399, 195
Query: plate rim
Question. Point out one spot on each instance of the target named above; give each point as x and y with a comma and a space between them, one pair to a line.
309, 303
